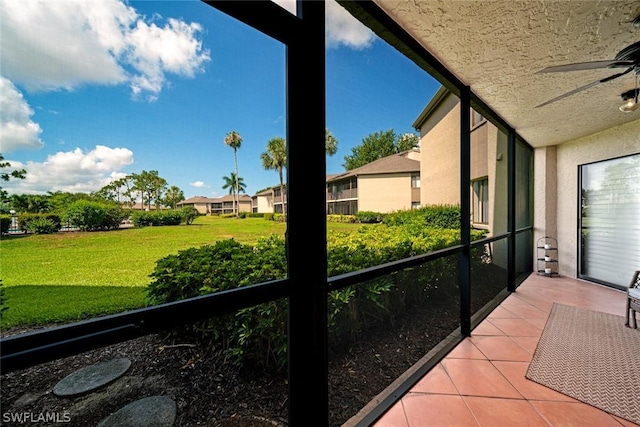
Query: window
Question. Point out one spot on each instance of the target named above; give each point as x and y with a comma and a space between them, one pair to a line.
415, 180
480, 204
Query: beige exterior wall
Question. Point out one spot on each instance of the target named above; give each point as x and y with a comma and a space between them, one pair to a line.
611, 143
439, 160
264, 204
244, 206
384, 193
203, 208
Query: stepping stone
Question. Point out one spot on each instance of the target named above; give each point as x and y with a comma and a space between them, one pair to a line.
156, 411
91, 377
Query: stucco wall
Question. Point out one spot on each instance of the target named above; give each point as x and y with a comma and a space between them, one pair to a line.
615, 142
384, 193
440, 158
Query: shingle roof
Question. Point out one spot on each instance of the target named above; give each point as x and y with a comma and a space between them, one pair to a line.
198, 199
395, 163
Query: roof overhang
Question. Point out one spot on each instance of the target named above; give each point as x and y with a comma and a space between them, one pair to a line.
496, 48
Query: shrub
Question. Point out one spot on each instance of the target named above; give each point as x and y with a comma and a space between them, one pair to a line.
156, 218
342, 218
189, 214
435, 216
5, 223
41, 226
113, 217
25, 220
368, 217
89, 215
278, 217
255, 334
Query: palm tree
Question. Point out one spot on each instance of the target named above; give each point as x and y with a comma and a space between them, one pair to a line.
234, 140
275, 158
232, 182
330, 143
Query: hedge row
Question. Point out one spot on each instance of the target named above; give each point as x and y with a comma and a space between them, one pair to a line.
257, 335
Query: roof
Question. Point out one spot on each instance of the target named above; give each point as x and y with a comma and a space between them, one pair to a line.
439, 96
203, 199
395, 163
197, 199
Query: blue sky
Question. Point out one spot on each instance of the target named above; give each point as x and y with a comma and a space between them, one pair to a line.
90, 94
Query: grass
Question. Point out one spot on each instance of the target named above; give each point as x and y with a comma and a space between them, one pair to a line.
74, 275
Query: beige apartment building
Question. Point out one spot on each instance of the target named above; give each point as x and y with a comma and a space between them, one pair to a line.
586, 191
388, 184
218, 205
391, 183
438, 125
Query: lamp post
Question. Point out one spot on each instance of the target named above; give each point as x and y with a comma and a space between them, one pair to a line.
14, 221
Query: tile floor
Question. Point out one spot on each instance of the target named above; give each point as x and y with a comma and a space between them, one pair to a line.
482, 381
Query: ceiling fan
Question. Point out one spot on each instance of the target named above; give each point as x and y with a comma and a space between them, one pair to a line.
628, 58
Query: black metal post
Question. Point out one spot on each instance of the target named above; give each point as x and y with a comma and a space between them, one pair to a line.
464, 268
306, 220
511, 214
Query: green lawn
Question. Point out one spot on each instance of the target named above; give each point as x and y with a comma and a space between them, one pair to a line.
74, 275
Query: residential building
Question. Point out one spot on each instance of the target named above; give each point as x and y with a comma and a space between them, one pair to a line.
439, 129
388, 184
438, 125
269, 200
217, 205
262, 201
391, 183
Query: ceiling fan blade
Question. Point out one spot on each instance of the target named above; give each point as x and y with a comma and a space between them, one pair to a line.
593, 65
590, 85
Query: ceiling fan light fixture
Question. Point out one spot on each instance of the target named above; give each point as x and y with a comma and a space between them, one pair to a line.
630, 99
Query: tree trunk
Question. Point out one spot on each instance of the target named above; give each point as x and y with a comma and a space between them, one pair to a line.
236, 195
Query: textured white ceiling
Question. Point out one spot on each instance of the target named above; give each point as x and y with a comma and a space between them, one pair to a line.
497, 46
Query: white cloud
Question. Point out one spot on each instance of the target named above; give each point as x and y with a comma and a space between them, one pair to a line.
17, 130
197, 184
72, 171
57, 45
343, 29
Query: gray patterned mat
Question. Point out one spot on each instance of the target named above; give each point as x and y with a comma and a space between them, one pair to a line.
592, 357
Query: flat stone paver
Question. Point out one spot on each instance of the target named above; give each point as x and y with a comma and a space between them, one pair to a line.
156, 411
91, 377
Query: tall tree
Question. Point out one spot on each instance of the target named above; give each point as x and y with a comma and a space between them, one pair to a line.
377, 145
150, 186
174, 196
234, 140
275, 158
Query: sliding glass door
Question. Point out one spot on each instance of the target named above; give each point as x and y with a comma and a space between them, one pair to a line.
610, 220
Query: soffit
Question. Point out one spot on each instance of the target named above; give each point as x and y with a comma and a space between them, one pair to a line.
497, 46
